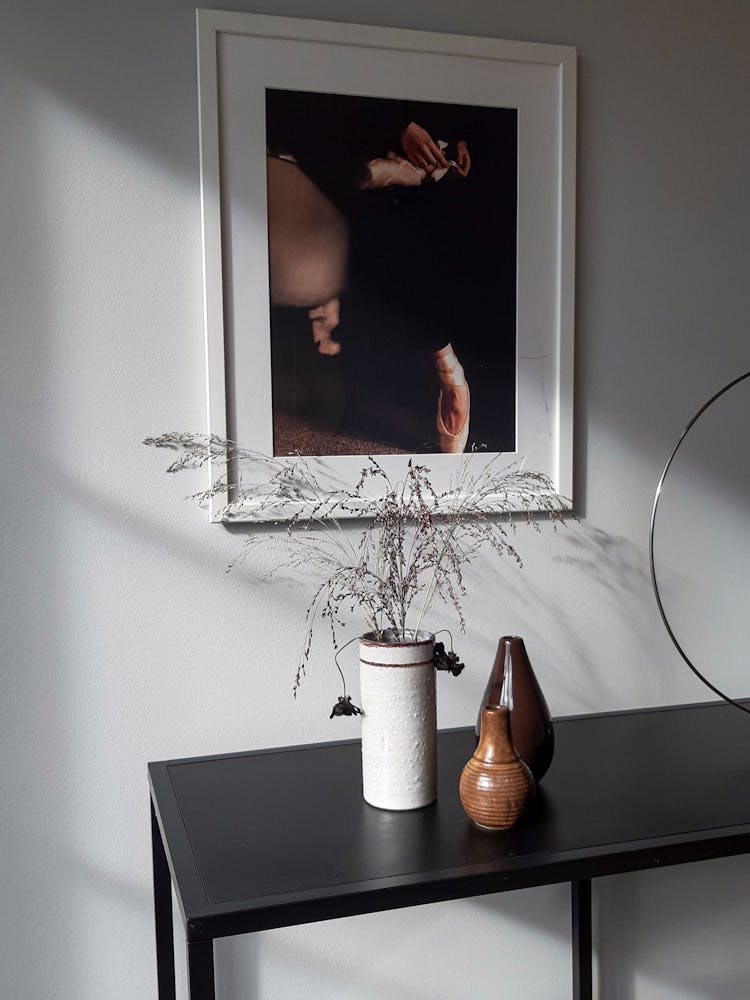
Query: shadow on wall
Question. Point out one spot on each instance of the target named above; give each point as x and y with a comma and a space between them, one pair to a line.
657, 935
78, 727
617, 566
415, 946
57, 54
671, 931
152, 534
542, 601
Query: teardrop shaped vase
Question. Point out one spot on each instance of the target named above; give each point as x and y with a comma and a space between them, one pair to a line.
530, 725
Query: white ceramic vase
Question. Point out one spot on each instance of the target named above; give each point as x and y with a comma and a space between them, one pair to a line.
399, 721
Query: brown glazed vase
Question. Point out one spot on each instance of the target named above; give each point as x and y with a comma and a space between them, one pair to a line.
530, 726
495, 784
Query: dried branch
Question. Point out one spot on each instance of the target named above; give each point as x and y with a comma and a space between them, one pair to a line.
414, 541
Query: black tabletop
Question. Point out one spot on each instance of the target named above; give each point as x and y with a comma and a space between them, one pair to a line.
276, 837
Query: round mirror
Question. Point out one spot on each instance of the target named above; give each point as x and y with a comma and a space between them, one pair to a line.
700, 542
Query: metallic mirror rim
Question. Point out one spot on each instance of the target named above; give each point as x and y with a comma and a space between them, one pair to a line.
657, 495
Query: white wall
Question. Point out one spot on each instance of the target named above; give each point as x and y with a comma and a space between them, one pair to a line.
125, 641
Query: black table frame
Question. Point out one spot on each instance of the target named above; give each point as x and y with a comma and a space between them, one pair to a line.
174, 863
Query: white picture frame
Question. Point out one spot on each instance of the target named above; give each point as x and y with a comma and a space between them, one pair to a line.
239, 55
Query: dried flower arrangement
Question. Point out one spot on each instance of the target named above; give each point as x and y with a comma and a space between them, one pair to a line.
412, 546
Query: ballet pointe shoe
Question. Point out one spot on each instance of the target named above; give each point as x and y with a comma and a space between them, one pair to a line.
452, 444
452, 380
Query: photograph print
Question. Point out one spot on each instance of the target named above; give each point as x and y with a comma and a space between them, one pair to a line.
388, 226
392, 236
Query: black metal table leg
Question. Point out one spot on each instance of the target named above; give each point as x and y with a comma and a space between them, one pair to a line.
581, 900
162, 913
201, 970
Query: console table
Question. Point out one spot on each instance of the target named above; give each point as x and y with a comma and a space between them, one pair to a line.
277, 837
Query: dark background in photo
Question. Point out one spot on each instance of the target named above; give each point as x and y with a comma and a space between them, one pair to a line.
428, 265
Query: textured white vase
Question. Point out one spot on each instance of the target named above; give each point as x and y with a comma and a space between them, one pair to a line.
399, 721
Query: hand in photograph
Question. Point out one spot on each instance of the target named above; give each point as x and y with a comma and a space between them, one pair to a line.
463, 159
421, 150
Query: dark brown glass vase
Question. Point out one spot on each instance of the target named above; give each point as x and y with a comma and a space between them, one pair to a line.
530, 725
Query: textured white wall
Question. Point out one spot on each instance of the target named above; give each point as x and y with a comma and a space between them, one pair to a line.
125, 641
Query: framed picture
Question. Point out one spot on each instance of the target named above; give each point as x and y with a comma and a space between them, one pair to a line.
388, 223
